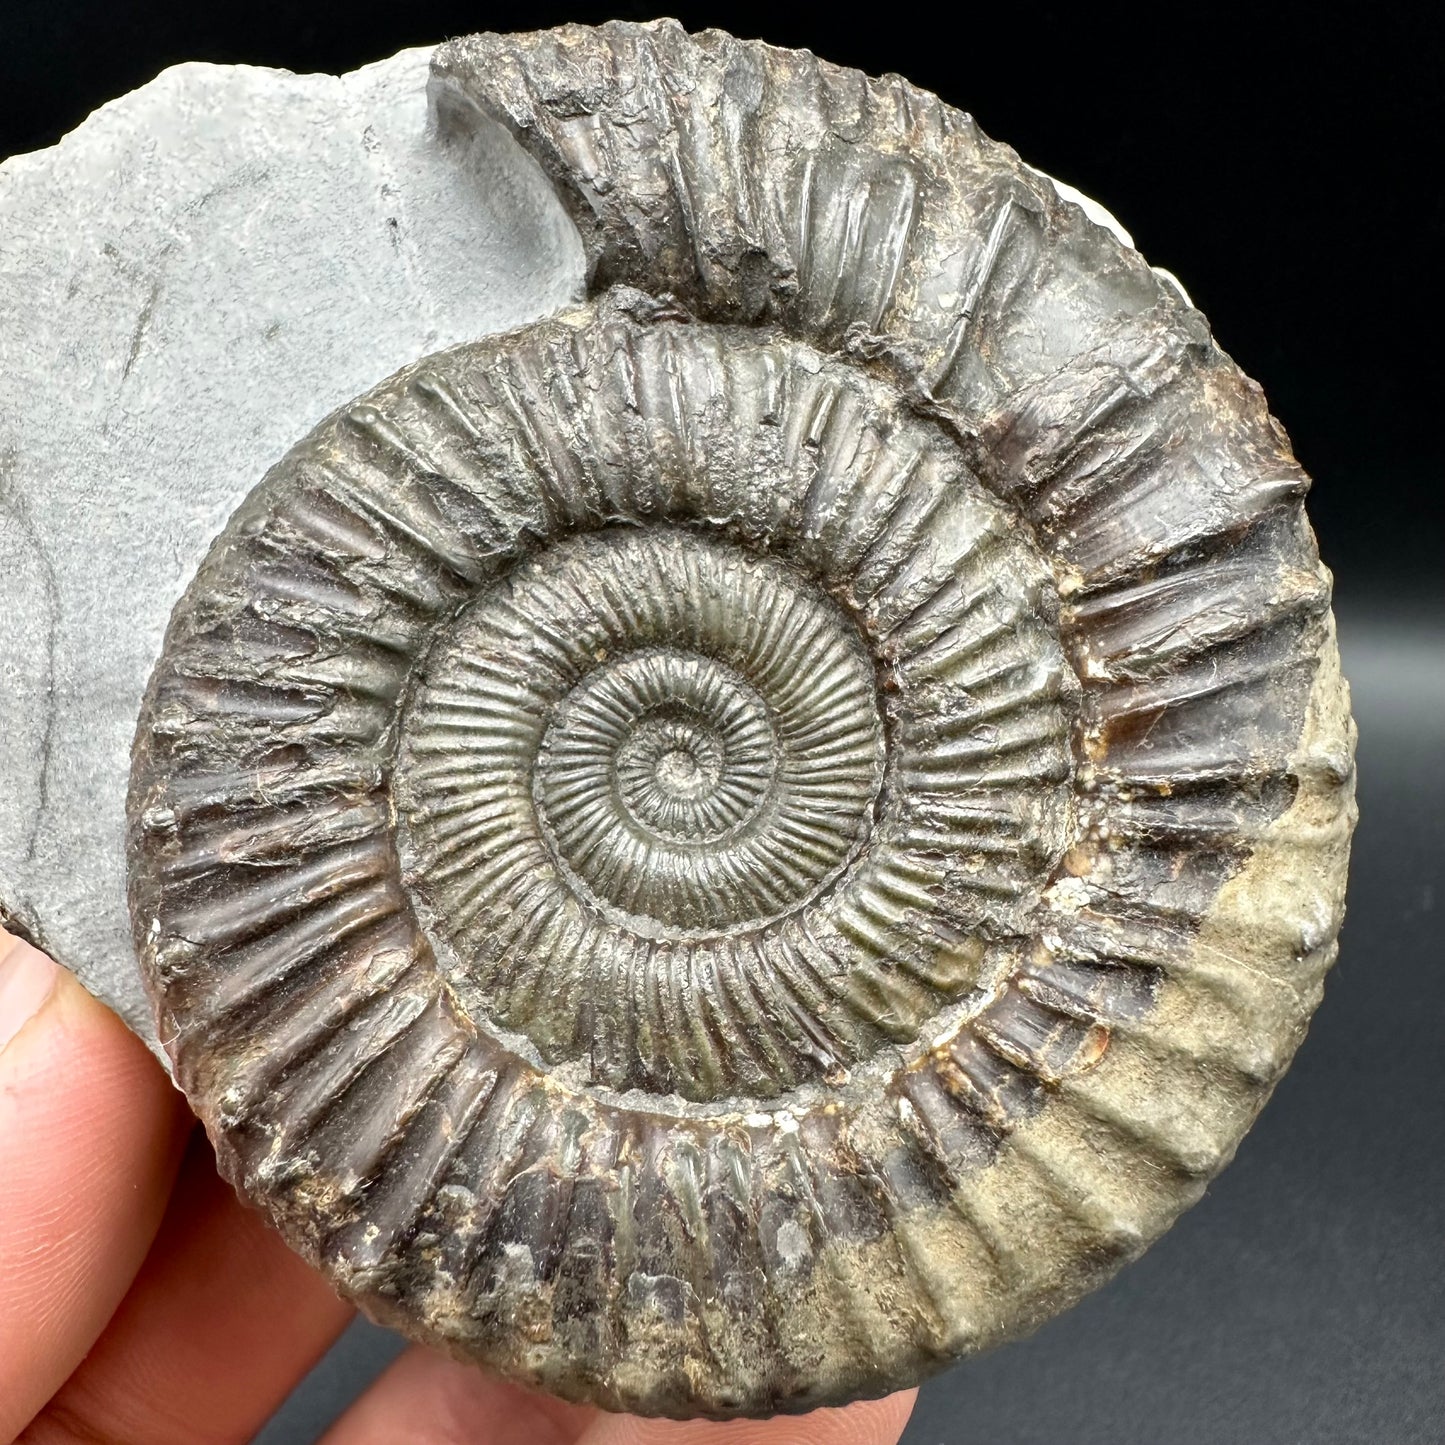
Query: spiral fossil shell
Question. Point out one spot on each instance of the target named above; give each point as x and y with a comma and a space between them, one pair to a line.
731, 846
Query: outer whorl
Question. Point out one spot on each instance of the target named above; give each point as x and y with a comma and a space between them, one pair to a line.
724, 849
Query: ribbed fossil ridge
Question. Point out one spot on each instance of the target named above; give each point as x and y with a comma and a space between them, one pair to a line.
688, 853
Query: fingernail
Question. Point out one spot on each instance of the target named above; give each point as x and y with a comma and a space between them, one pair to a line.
26, 980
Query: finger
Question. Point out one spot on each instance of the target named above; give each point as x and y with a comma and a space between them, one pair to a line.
424, 1399
222, 1321
427, 1400
868, 1422
90, 1132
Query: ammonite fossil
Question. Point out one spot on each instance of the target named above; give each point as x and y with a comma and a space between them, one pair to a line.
726, 848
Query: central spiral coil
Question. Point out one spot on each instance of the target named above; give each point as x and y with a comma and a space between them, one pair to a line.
672, 746
696, 727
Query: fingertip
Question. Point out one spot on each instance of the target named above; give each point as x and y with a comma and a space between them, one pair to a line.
884, 1420
27, 979
218, 1326
90, 1136
426, 1399
865, 1422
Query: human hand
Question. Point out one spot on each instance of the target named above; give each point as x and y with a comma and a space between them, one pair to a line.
142, 1304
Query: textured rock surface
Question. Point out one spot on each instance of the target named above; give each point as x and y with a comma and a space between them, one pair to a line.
728, 846
187, 283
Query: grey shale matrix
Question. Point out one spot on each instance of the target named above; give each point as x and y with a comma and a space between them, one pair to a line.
736, 843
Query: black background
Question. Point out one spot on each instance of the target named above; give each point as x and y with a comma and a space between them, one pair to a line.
1286, 164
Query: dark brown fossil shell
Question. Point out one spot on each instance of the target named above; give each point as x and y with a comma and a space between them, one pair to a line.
724, 849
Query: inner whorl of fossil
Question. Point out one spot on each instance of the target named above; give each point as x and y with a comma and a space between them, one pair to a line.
643, 780
655, 742
695, 727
